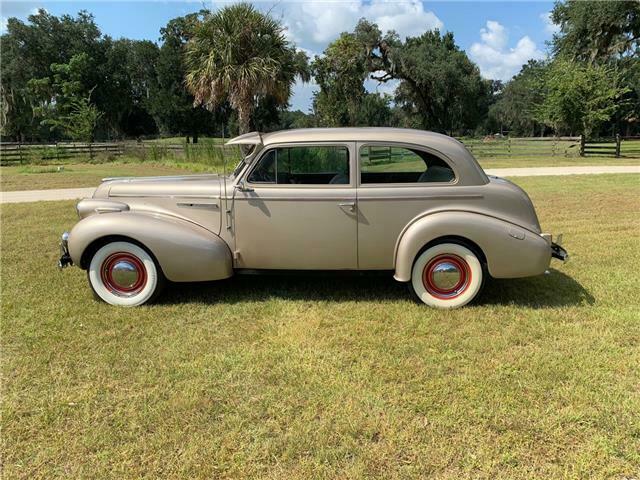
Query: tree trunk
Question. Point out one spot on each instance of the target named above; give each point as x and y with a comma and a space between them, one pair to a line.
245, 108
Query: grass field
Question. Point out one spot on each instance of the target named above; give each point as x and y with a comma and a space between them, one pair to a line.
37, 177
305, 377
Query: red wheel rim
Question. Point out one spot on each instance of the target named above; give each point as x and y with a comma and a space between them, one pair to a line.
123, 274
447, 266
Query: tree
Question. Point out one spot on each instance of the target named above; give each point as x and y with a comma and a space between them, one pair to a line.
241, 55
514, 109
170, 104
578, 97
596, 31
604, 33
440, 88
340, 73
50, 60
28, 51
81, 121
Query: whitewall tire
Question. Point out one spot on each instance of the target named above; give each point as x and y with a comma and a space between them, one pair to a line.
124, 274
447, 275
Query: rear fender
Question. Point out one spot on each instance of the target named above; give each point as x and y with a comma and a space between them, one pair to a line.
510, 251
185, 251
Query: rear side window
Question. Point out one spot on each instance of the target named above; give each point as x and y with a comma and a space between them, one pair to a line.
312, 165
387, 164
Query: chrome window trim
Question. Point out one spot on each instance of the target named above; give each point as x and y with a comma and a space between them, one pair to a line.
351, 161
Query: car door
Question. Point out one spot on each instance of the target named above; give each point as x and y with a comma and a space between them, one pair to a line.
297, 209
396, 182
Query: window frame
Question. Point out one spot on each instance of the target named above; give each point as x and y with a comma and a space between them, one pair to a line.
409, 146
351, 161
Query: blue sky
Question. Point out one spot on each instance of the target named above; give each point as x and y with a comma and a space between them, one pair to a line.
498, 36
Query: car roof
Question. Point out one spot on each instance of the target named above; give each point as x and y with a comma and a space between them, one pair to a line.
465, 165
360, 134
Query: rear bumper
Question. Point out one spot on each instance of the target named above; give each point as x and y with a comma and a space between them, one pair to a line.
558, 252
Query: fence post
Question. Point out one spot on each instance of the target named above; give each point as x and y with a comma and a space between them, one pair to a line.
90, 151
582, 145
57, 152
617, 145
20, 151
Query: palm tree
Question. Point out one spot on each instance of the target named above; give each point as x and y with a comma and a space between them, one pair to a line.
241, 54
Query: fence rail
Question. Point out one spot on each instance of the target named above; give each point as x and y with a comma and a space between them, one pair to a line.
600, 148
490, 147
25, 153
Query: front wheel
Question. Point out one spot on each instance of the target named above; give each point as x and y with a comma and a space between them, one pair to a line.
124, 274
447, 275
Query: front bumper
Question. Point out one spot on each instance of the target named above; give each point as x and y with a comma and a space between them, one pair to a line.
65, 258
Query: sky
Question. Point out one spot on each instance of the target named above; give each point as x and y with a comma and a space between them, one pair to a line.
498, 36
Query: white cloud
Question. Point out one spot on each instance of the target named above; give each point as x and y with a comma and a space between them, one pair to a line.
549, 27
495, 59
321, 22
495, 35
3, 25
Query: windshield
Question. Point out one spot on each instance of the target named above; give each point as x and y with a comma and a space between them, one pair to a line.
239, 167
247, 152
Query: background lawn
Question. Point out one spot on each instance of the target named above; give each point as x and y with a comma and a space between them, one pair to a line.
306, 377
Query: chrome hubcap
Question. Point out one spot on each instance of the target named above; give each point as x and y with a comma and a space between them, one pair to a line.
445, 276
124, 274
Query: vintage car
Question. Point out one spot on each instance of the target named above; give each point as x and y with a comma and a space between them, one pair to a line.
410, 202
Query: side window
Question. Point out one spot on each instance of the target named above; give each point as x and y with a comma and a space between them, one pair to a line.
312, 165
386, 164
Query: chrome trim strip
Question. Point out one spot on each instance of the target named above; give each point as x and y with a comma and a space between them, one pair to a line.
301, 198
197, 205
159, 195
422, 197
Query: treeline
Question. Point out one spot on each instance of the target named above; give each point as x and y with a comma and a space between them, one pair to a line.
63, 79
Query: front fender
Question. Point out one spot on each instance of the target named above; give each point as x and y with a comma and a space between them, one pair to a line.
511, 251
186, 252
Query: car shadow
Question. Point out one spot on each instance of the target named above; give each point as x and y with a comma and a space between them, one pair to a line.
552, 290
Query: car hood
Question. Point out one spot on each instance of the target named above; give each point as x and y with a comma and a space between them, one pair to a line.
193, 186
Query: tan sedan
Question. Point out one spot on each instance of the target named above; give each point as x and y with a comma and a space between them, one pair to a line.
413, 203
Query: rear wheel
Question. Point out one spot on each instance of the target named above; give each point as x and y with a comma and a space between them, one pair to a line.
447, 275
124, 274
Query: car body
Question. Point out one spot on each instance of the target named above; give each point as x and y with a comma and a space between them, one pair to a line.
414, 203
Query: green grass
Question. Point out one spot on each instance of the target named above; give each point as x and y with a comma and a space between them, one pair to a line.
74, 175
305, 377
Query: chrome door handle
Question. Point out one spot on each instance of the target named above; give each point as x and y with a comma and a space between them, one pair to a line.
351, 206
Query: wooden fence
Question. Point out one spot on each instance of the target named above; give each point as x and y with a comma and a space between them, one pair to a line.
497, 147
489, 147
600, 148
26, 153
30, 152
